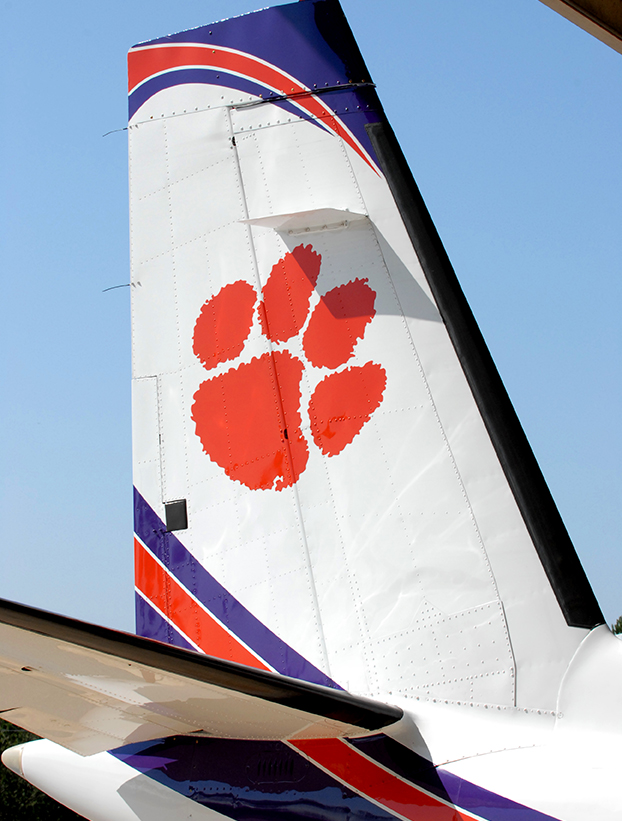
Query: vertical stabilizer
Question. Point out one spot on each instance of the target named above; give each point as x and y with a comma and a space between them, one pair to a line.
330, 479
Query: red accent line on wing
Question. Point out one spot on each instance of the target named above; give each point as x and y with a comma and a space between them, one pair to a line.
185, 612
354, 769
146, 62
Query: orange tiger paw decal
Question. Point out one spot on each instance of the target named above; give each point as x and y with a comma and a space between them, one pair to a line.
249, 418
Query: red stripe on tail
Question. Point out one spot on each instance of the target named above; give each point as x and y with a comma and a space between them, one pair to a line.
160, 588
144, 63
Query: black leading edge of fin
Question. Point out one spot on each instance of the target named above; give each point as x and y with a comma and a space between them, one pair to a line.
315, 699
544, 523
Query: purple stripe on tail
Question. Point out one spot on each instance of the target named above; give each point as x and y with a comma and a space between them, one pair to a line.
309, 41
221, 604
151, 625
448, 787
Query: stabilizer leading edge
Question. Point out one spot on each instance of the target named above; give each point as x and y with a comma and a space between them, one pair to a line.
93, 689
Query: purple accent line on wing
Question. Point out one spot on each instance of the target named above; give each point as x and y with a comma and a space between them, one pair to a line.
421, 772
311, 41
217, 599
485, 803
151, 625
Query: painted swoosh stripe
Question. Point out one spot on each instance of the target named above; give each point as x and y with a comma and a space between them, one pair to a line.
147, 62
386, 772
407, 764
340, 784
155, 625
376, 783
190, 574
186, 613
228, 778
209, 76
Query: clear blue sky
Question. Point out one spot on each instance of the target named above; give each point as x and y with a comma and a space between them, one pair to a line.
511, 120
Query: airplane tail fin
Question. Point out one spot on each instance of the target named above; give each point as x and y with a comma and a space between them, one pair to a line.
331, 482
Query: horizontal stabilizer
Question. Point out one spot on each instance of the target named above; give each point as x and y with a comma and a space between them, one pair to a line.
92, 689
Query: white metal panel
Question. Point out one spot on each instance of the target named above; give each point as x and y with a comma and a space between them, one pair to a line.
454, 652
590, 698
568, 781
146, 439
542, 644
400, 452
290, 164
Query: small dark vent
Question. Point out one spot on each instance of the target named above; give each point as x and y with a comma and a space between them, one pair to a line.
276, 767
176, 515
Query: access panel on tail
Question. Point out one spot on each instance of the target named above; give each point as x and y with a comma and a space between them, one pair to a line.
356, 502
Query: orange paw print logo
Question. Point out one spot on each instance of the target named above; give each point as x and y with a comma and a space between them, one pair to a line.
249, 418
